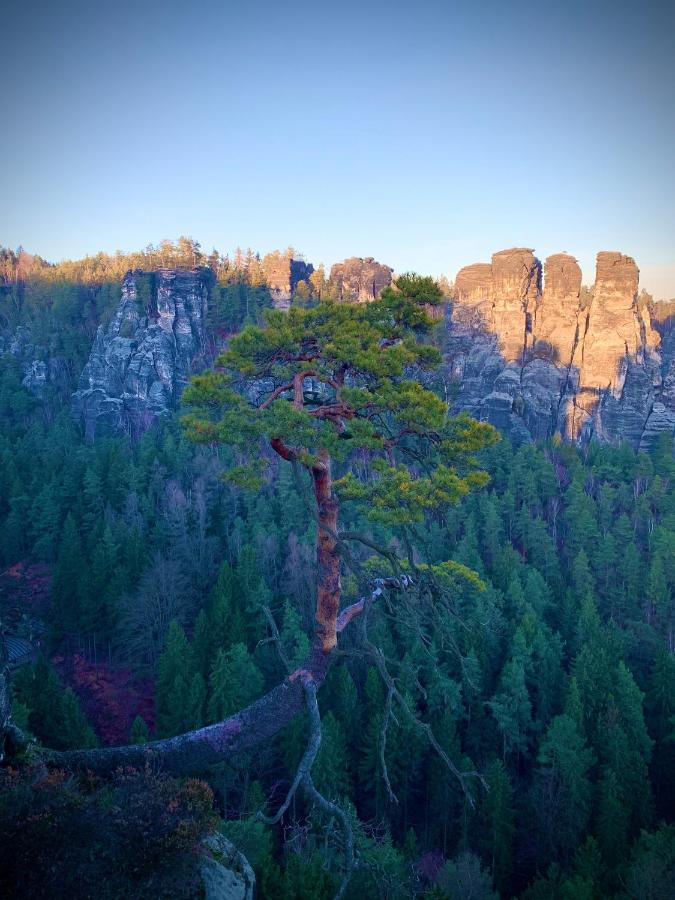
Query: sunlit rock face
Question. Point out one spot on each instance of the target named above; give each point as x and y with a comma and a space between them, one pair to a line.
502, 295
525, 346
358, 280
536, 361
140, 363
283, 273
556, 316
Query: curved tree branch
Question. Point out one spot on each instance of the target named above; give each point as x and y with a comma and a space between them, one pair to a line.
307, 761
195, 751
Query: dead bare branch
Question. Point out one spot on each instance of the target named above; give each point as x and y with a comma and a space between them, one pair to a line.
276, 639
424, 727
307, 761
383, 746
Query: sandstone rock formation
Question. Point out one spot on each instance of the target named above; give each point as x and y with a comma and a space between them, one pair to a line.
500, 295
556, 315
283, 273
358, 280
537, 362
535, 359
38, 366
140, 363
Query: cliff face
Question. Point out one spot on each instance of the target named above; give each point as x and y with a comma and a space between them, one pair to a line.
359, 280
536, 362
500, 294
534, 355
38, 366
140, 363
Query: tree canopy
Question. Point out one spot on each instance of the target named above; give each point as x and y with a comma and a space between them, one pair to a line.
325, 385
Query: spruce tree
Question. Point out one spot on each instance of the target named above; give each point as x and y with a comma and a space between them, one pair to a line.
140, 733
174, 675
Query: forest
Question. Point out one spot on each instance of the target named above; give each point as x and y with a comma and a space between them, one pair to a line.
498, 720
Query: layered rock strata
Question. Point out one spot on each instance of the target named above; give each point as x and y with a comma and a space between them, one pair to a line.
538, 361
140, 363
358, 280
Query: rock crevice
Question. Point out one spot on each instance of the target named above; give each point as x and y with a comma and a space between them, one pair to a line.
141, 362
359, 280
589, 365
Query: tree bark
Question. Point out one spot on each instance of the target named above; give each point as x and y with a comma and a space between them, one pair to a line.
327, 556
196, 751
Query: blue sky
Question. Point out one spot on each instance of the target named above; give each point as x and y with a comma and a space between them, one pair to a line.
428, 135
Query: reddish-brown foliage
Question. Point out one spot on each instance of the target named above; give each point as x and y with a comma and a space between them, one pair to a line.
111, 697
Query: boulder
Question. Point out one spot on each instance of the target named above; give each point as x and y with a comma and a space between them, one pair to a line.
226, 873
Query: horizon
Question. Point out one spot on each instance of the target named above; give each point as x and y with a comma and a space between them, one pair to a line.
588, 276
428, 138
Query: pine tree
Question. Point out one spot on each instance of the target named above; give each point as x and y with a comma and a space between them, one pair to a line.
613, 819
330, 769
196, 700
658, 594
202, 643
226, 619
340, 346
511, 705
561, 801
496, 822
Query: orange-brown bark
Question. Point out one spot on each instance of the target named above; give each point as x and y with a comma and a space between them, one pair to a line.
328, 560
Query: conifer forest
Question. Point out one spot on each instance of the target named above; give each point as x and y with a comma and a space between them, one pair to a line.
311, 618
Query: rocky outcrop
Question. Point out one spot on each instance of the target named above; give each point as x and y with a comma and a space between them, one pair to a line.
39, 368
283, 273
536, 362
557, 311
499, 295
534, 355
140, 363
358, 280
226, 873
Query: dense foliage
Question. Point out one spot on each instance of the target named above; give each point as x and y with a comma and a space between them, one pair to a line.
138, 831
60, 306
552, 673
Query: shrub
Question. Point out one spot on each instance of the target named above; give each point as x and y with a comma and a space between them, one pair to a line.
79, 836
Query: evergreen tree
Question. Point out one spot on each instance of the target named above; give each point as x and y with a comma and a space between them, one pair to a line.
76, 731
511, 705
66, 586
140, 733
561, 800
234, 683
174, 675
495, 825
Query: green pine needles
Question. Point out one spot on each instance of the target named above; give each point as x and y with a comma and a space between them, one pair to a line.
326, 385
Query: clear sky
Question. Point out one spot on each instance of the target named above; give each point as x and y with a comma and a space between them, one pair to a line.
426, 134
